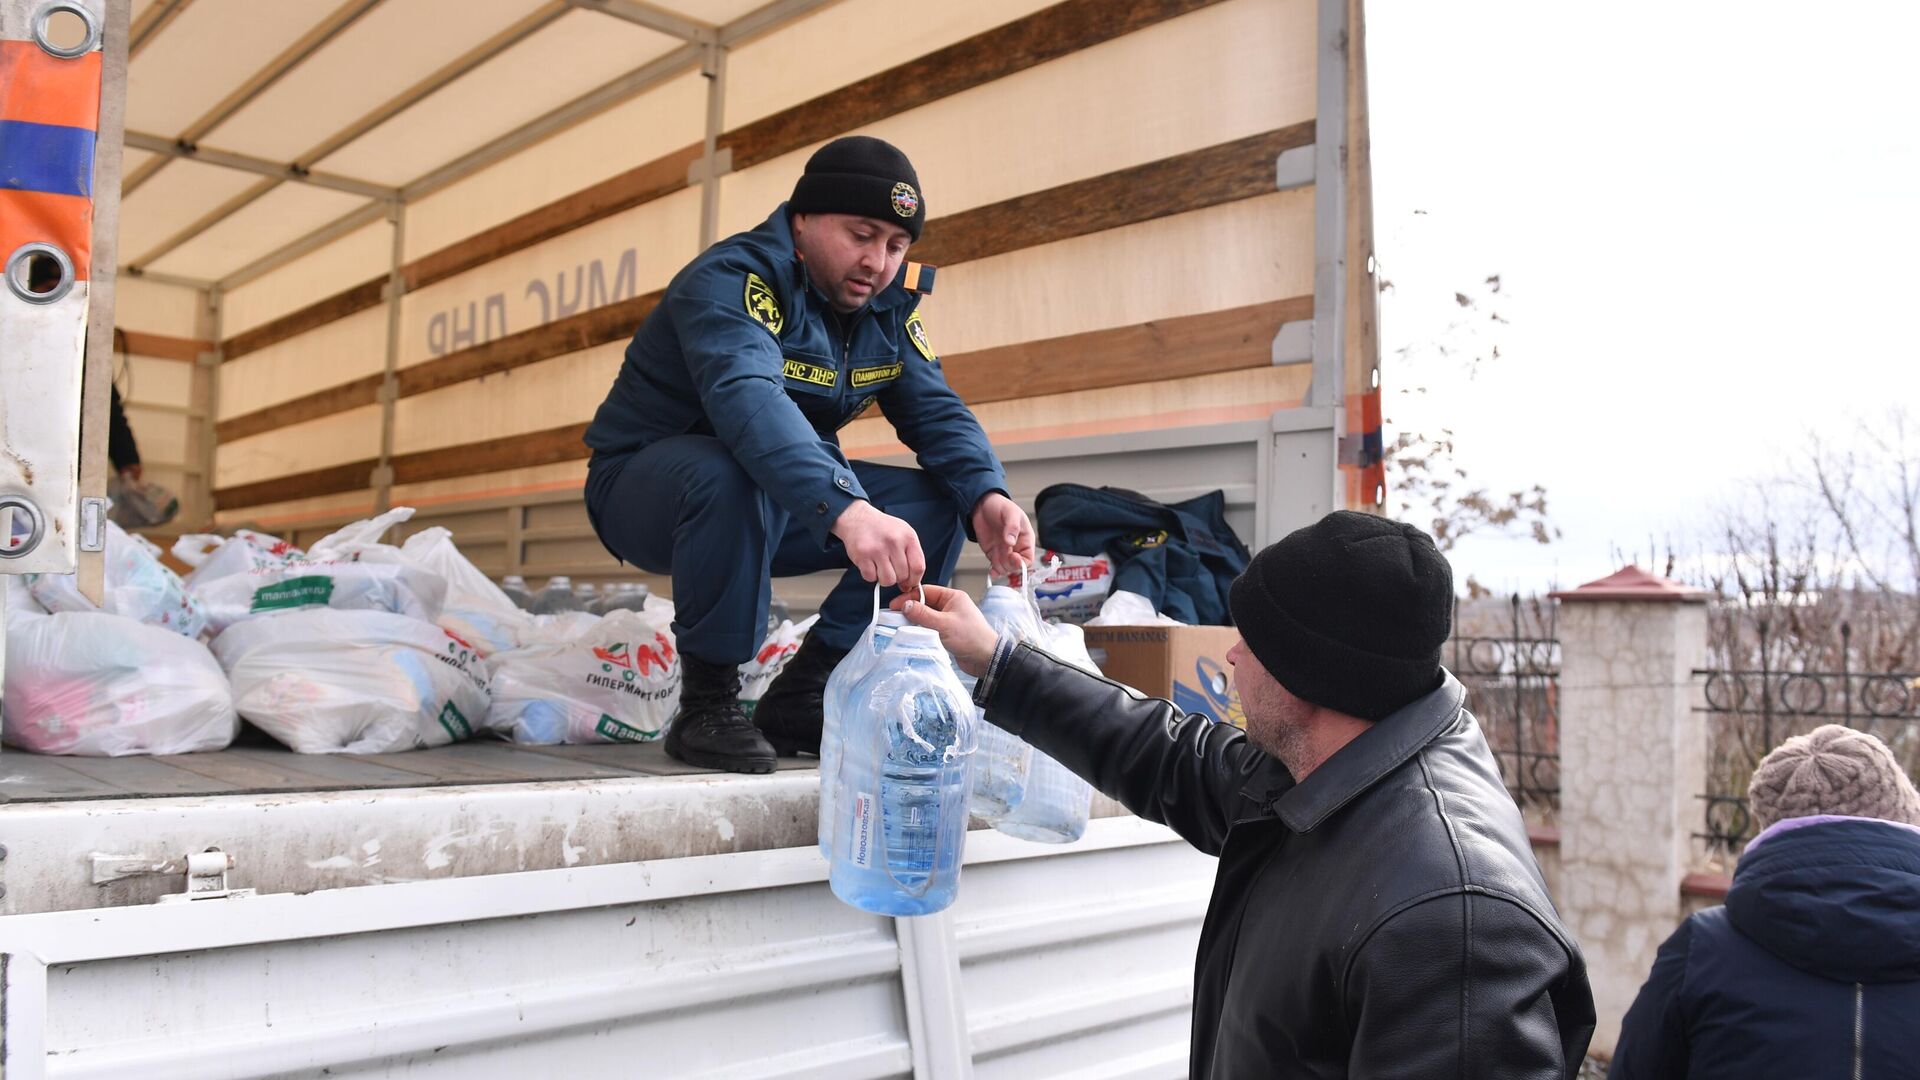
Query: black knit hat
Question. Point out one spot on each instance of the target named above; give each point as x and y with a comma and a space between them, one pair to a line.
1348, 613
859, 174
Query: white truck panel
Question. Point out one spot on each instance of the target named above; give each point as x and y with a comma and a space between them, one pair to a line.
732, 965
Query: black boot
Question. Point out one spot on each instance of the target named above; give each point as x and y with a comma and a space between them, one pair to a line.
711, 730
791, 711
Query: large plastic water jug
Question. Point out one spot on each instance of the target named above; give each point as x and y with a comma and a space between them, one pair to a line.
840, 685
907, 739
1056, 805
1057, 802
1000, 771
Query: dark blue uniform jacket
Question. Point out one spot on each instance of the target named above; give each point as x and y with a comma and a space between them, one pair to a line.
1812, 969
743, 347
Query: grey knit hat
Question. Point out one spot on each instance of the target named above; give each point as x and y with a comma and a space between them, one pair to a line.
1832, 770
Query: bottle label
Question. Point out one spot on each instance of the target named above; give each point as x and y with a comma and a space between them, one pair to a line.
864, 812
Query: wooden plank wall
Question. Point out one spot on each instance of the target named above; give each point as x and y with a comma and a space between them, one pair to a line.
1099, 175
164, 389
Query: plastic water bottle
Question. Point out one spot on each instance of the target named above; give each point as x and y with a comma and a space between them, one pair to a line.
556, 597
589, 598
1056, 805
625, 596
902, 801
777, 613
1057, 802
840, 686
515, 587
1000, 772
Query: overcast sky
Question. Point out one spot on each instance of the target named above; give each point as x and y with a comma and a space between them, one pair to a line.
1705, 216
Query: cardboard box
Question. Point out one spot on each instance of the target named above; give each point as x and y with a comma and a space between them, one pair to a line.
1187, 665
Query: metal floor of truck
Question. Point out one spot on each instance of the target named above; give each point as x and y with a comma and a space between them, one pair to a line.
256, 765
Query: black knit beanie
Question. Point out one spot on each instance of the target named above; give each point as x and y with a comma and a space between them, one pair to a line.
859, 174
1348, 613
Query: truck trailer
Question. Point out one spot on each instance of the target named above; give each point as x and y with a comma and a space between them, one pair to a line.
347, 255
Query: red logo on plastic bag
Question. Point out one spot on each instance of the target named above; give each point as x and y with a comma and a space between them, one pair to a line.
640, 658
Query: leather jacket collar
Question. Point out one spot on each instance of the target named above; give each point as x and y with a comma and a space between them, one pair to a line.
1362, 763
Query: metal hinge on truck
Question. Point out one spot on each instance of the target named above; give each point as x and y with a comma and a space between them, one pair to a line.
206, 873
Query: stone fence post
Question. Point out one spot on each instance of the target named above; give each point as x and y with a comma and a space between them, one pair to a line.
1632, 759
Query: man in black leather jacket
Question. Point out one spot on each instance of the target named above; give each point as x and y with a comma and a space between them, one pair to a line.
1377, 909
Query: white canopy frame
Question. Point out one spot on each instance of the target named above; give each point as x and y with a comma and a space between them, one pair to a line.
705, 49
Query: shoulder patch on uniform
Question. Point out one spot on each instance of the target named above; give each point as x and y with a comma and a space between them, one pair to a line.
917, 333
762, 304
810, 373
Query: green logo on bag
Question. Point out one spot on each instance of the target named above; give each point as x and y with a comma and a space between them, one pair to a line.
314, 591
455, 723
610, 728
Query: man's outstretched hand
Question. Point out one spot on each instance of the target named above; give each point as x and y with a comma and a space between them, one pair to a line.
882, 547
962, 629
1005, 534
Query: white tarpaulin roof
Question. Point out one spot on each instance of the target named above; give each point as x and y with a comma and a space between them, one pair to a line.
255, 124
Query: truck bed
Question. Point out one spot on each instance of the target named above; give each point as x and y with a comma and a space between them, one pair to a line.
267, 768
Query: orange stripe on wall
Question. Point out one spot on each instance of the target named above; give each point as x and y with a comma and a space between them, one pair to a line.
38, 88
64, 220
1220, 414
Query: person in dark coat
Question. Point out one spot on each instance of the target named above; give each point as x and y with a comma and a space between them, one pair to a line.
122, 451
1812, 967
1377, 911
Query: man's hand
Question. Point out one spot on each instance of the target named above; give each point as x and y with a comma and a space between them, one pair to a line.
1005, 533
131, 474
883, 548
962, 629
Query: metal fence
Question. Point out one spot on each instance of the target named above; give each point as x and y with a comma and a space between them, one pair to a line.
1749, 712
1513, 688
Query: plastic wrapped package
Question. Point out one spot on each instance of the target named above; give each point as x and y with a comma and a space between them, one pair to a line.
901, 806
617, 681
475, 608
90, 683
358, 682
138, 586
349, 570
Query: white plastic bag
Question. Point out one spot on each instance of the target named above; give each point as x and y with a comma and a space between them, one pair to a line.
758, 673
349, 570
617, 682
86, 682
362, 682
1125, 608
475, 608
138, 586
193, 548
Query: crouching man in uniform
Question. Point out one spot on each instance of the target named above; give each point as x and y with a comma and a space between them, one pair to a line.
715, 457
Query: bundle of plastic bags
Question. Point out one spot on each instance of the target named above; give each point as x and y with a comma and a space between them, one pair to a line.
358, 682
98, 684
475, 608
618, 680
349, 570
138, 586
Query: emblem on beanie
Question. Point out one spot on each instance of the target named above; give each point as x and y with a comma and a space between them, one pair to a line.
906, 201
917, 333
763, 305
